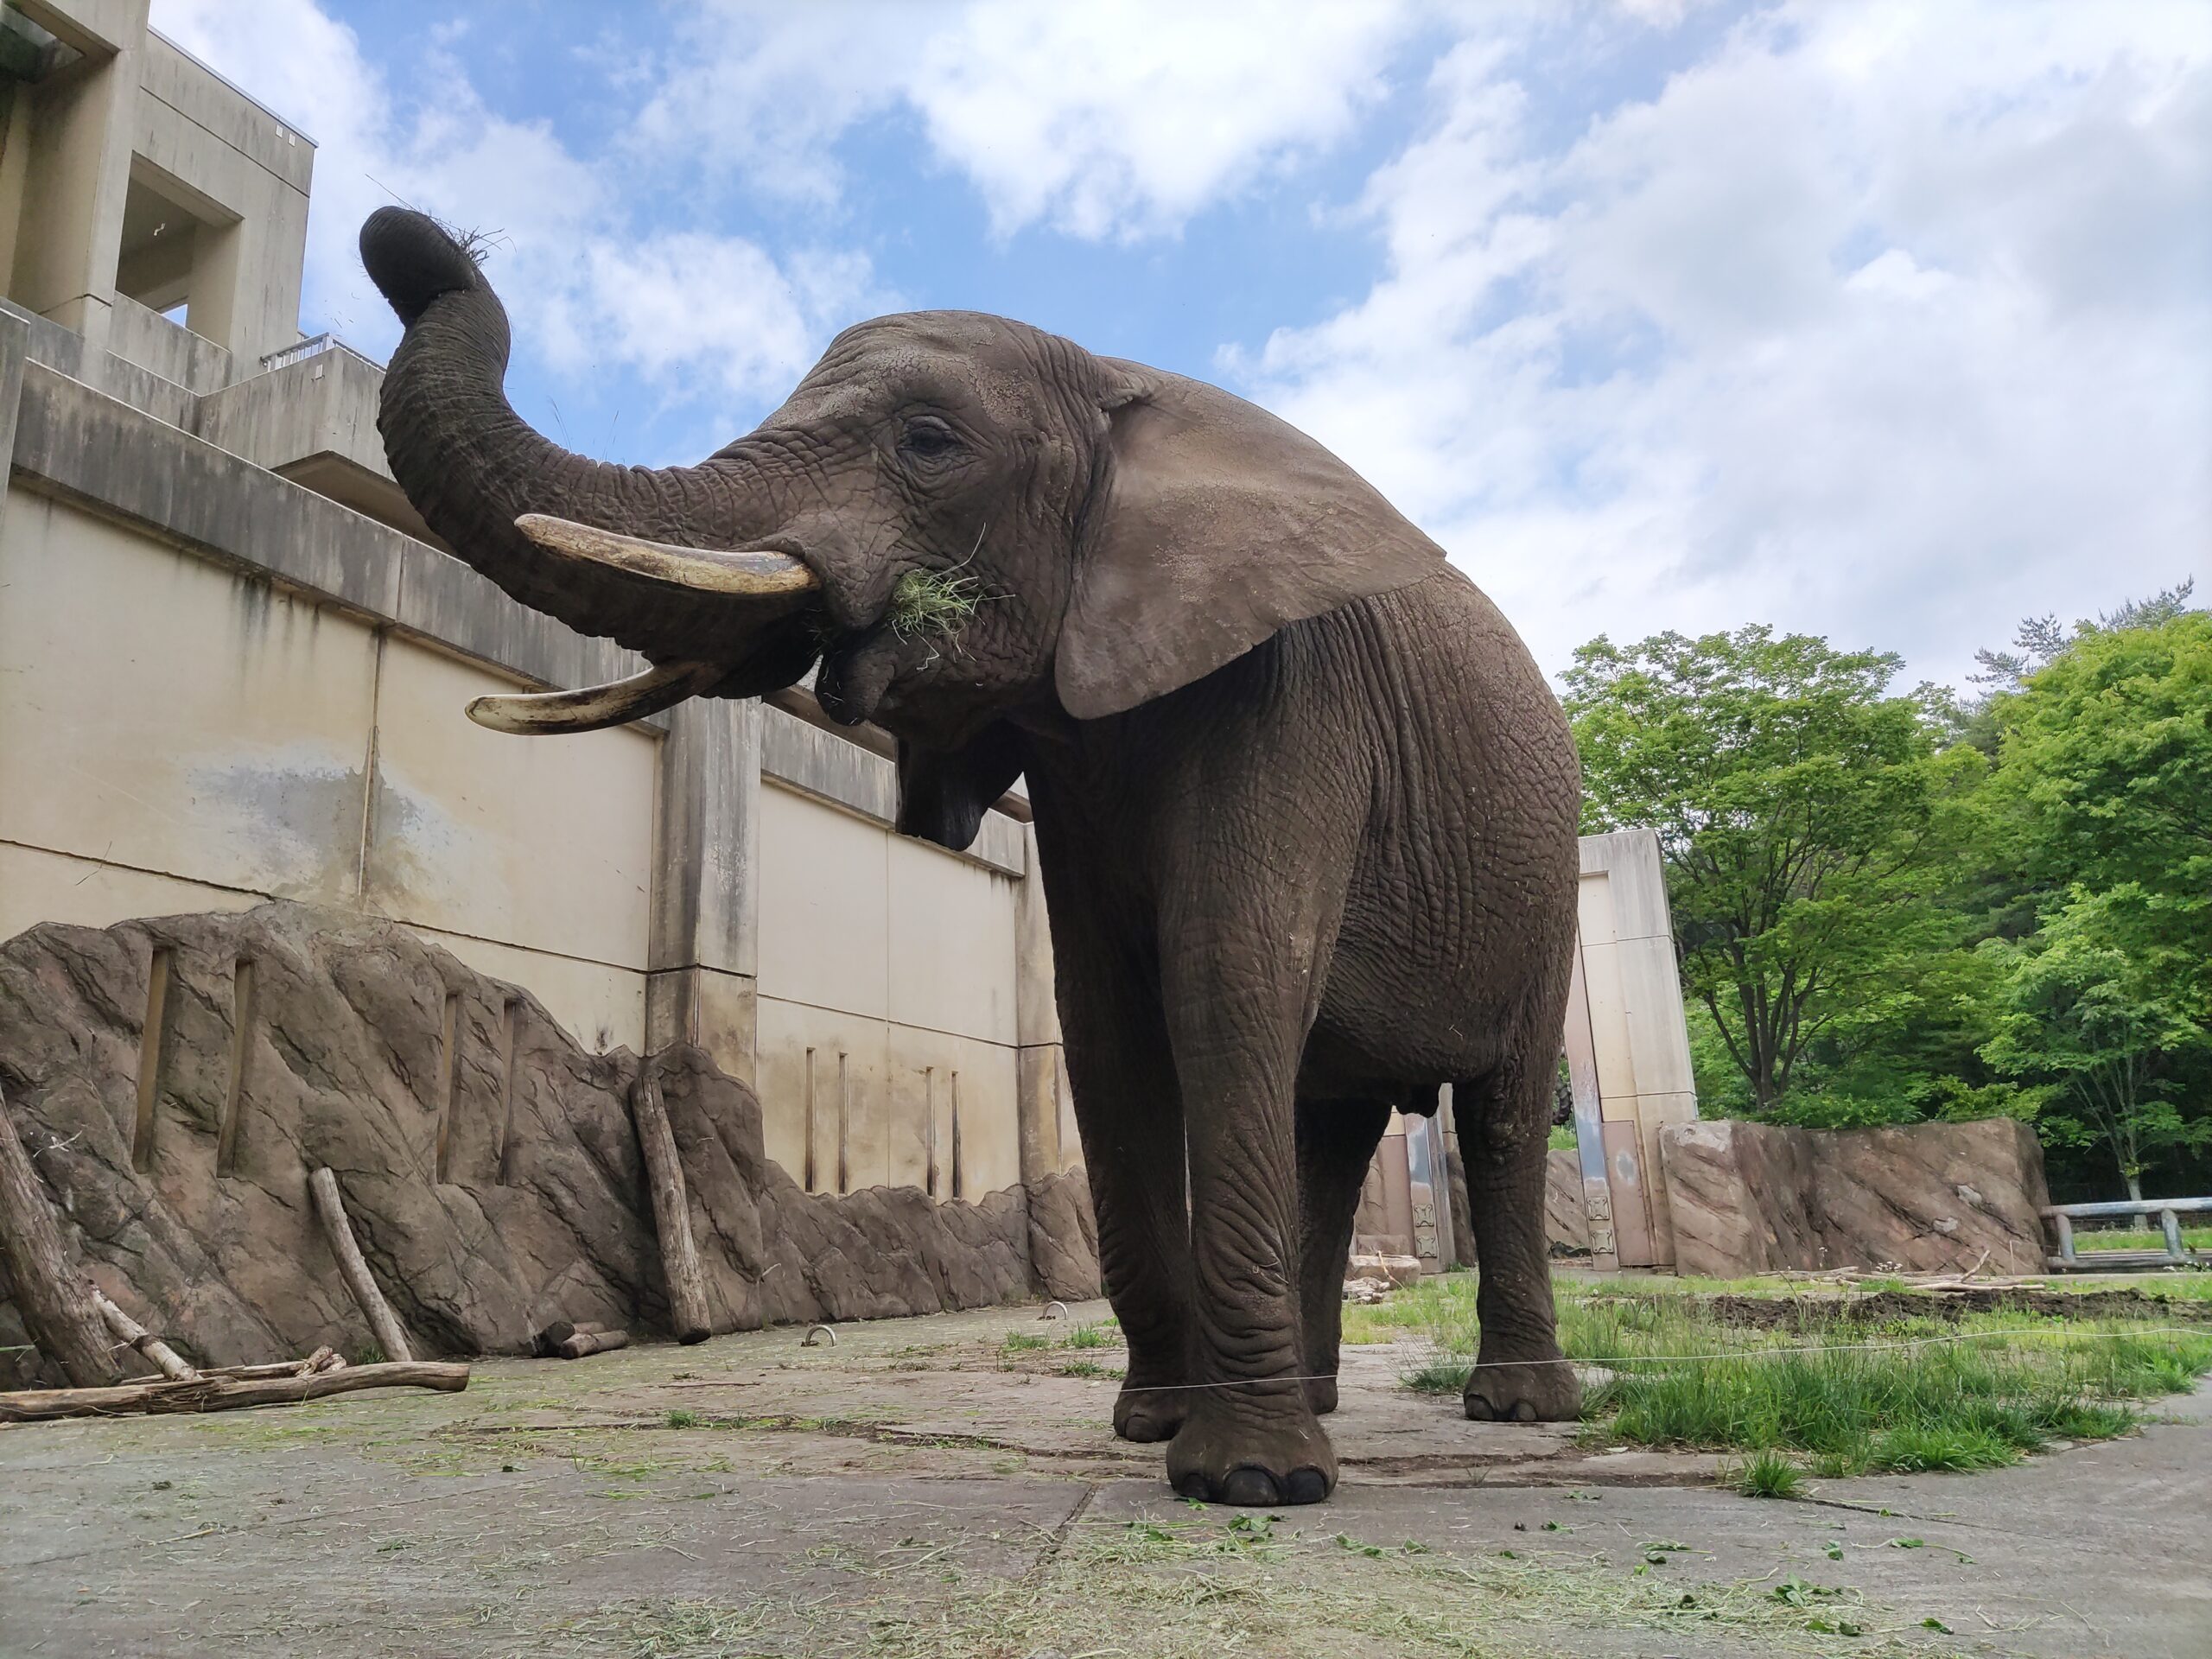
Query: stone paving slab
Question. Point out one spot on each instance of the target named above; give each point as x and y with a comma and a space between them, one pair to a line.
827, 1500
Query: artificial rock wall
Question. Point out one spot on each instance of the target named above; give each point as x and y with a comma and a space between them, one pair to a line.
488, 1161
1930, 1198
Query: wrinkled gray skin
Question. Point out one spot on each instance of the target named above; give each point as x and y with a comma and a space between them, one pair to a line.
1305, 808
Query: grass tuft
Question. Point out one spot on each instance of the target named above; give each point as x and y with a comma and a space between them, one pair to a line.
932, 602
1768, 1474
1019, 1342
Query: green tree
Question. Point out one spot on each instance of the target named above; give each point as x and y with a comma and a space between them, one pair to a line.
2102, 797
1809, 821
2100, 1008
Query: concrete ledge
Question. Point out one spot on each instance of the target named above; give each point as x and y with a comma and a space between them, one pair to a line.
74, 441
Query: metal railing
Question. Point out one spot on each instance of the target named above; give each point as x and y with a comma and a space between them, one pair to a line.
2063, 1216
313, 346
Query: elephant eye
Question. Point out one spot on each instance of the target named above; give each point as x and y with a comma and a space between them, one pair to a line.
927, 439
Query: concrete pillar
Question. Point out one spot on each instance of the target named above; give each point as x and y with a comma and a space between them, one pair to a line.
704, 957
1048, 1141
79, 167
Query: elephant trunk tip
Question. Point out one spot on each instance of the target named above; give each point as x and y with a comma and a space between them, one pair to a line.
413, 259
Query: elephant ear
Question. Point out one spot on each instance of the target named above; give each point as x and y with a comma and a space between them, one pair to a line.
1218, 524
943, 796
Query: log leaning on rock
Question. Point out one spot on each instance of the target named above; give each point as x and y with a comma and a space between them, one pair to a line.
679, 1255
57, 1306
330, 1206
226, 1393
164, 1359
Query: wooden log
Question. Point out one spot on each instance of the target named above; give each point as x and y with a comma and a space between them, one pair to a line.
330, 1204
549, 1340
225, 1392
56, 1305
323, 1359
164, 1359
679, 1255
592, 1342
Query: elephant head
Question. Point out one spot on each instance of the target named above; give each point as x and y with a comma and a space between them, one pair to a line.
972, 525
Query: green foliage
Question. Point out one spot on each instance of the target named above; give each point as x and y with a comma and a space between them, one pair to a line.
2103, 794
1891, 908
1810, 823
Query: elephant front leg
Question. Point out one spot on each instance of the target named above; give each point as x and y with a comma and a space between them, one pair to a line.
1336, 1144
1251, 1437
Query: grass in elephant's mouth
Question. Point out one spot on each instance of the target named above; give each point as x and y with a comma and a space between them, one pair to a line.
1835, 1394
932, 602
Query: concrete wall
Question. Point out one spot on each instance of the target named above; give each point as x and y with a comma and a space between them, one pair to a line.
132, 176
1627, 1048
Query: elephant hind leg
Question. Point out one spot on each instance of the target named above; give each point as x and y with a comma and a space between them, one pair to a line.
1520, 1375
1336, 1143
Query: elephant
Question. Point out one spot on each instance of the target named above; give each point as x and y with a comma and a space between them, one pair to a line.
1305, 807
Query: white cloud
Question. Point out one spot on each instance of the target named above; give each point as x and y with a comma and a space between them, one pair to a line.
700, 315
1100, 121
1889, 321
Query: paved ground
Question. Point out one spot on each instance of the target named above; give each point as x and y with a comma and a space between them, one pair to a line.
921, 1489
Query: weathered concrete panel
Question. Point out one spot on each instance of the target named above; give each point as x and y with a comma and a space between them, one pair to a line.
37, 886
951, 944
823, 1070
600, 1007
825, 907
476, 832
168, 715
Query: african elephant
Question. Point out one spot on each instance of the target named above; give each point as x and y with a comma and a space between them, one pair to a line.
1304, 806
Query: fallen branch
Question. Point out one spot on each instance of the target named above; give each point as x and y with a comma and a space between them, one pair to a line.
158, 1353
330, 1204
323, 1359
679, 1255
583, 1343
547, 1342
55, 1308
226, 1393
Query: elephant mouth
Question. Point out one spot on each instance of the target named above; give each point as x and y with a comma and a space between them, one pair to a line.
757, 585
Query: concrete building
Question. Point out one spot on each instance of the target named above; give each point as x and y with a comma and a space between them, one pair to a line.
233, 664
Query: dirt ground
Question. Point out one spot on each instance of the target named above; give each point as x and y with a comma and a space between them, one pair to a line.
921, 1487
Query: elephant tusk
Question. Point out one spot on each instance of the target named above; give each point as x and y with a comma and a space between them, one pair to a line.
750, 573
542, 714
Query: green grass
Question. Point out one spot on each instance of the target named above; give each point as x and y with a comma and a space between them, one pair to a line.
1768, 1474
1833, 1395
2139, 1238
1019, 1342
939, 602
1091, 1336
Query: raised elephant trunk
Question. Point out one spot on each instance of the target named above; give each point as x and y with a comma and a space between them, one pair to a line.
473, 467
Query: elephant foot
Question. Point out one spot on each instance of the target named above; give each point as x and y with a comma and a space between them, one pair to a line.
1523, 1391
1233, 1454
1146, 1413
1321, 1394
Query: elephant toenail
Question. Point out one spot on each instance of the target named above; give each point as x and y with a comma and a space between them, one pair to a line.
1478, 1409
1524, 1411
1193, 1486
1251, 1487
1307, 1486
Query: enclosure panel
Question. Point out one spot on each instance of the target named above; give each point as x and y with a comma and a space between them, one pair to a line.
951, 943
824, 937
542, 844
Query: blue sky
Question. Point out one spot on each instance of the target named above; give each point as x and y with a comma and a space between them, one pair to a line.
1888, 321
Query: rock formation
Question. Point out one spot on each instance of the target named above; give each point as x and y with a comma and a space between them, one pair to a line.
1752, 1198
487, 1160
